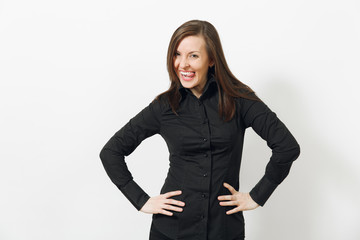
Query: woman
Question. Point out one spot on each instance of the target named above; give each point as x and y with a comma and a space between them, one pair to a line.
202, 117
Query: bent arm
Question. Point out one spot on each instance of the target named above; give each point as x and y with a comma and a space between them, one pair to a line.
124, 142
285, 148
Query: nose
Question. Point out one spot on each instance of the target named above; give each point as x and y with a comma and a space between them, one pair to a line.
183, 63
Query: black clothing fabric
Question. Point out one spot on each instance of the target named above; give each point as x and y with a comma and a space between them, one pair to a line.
155, 234
204, 152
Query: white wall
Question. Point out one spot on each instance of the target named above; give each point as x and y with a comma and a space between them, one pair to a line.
73, 72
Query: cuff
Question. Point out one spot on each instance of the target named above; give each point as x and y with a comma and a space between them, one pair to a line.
262, 191
135, 194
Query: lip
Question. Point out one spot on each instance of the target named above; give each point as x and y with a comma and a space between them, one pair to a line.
184, 78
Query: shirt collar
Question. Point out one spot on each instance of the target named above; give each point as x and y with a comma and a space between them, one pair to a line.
211, 81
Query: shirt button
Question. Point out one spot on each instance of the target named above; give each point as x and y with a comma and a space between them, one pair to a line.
205, 175
202, 216
204, 139
203, 195
205, 155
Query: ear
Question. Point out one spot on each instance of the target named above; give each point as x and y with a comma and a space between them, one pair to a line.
212, 63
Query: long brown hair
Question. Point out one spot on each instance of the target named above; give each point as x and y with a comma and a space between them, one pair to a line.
228, 85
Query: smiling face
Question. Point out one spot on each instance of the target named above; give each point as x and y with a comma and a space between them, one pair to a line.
191, 63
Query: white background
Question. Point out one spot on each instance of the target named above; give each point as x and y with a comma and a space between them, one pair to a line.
73, 72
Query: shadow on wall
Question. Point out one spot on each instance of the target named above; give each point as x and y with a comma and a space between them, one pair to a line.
320, 197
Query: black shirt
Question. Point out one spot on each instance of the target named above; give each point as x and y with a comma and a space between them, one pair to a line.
204, 152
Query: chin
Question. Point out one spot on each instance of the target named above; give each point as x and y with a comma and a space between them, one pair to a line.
187, 84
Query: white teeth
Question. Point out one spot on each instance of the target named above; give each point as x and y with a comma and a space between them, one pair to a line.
186, 73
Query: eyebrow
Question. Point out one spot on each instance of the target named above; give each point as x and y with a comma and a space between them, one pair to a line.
190, 52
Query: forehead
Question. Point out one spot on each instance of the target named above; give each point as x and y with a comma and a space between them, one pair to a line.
192, 43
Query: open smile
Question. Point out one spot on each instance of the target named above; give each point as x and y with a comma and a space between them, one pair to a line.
187, 75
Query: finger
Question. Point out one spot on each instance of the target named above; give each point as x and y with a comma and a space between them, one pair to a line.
171, 194
232, 211
231, 189
175, 202
229, 203
172, 208
225, 197
164, 212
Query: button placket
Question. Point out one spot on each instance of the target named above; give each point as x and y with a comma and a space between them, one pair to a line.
206, 163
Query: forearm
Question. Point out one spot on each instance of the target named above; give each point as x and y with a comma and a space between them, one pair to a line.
117, 170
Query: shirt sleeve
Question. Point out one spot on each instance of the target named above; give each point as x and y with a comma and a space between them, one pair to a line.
145, 124
285, 148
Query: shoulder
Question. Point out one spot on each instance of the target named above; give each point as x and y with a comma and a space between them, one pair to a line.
160, 103
247, 107
248, 99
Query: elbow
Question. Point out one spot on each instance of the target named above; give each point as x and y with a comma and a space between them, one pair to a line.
296, 152
288, 155
102, 155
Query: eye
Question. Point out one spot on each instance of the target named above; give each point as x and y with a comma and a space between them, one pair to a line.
177, 54
194, 56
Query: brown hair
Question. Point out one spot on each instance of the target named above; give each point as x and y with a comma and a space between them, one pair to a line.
228, 85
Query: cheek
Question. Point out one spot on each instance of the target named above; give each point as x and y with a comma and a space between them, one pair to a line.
200, 66
202, 69
176, 64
